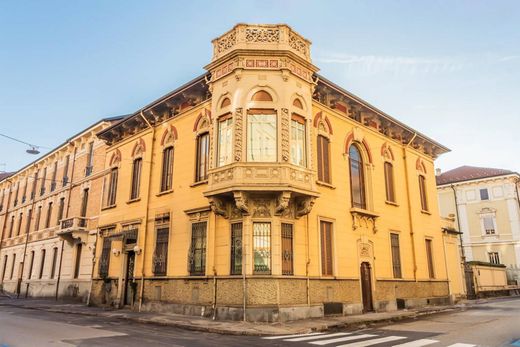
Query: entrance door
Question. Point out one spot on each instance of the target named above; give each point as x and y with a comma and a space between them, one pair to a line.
366, 287
129, 279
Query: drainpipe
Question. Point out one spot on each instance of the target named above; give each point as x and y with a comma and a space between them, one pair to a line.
446, 261
5, 222
92, 270
18, 287
66, 216
146, 211
244, 286
307, 263
410, 219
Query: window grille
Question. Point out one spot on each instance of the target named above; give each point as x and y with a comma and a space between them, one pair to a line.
287, 249
236, 248
197, 254
262, 248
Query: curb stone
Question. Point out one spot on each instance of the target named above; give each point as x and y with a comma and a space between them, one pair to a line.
240, 331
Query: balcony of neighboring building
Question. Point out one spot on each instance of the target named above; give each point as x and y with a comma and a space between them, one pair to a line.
73, 228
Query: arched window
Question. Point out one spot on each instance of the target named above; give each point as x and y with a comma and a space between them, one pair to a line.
136, 178
357, 179
167, 169
202, 157
262, 95
422, 191
389, 182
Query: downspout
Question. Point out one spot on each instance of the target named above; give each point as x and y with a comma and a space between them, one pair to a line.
410, 219
5, 222
244, 285
93, 266
145, 229
458, 224
214, 269
18, 287
307, 263
66, 216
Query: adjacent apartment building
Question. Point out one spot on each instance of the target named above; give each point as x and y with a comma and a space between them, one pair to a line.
262, 189
48, 219
485, 203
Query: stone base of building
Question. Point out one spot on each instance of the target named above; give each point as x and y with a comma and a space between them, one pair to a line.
68, 289
267, 299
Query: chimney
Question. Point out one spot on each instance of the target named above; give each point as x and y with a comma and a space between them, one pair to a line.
437, 172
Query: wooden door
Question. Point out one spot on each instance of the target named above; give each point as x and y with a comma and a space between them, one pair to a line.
366, 287
129, 279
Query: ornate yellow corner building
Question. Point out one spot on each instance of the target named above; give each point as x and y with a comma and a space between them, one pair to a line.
262, 187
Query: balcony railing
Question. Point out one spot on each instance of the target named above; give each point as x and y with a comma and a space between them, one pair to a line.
261, 177
73, 224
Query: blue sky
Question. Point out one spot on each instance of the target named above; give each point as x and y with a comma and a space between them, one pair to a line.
450, 69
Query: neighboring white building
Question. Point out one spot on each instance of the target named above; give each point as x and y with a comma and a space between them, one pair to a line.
485, 203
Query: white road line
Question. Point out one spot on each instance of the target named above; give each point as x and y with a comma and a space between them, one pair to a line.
461, 345
341, 339
289, 336
417, 343
307, 338
373, 342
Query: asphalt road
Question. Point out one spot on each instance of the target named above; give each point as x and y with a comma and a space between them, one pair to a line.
496, 323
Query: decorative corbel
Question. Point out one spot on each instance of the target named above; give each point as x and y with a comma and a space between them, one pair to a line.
241, 202
283, 203
218, 206
305, 206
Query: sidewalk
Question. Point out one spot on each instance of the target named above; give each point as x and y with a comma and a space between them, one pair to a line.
224, 327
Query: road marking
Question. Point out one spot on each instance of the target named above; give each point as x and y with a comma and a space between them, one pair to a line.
341, 339
461, 345
289, 336
417, 343
373, 342
307, 338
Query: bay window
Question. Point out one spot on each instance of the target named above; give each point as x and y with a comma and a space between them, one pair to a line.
298, 140
225, 140
261, 137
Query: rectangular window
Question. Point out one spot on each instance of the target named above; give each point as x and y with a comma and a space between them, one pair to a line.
61, 207
197, 256
31, 264
28, 224
202, 157
167, 170
77, 262
4, 268
54, 172
11, 227
44, 178
42, 264
20, 219
261, 137
323, 159
236, 248
49, 214
489, 225
104, 260
111, 190
160, 255
389, 182
34, 185
12, 267
429, 258
38, 217
287, 249
396, 255
84, 204
136, 178
65, 178
494, 258
90, 157
298, 140
54, 259
262, 248
422, 191
225, 140
326, 248
484, 194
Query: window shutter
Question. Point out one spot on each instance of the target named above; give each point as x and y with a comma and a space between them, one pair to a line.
326, 248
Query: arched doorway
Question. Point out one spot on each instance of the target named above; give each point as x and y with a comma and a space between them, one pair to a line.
366, 287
